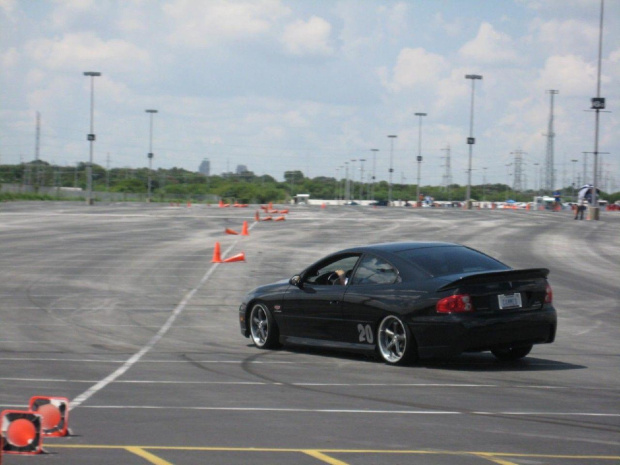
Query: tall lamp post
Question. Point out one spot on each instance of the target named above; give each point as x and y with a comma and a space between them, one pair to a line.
91, 137
374, 166
470, 140
352, 188
573, 180
362, 160
150, 155
598, 104
392, 137
417, 196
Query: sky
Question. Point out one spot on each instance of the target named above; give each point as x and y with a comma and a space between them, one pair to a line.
312, 85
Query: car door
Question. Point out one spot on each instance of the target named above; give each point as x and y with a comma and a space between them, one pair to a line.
370, 295
313, 309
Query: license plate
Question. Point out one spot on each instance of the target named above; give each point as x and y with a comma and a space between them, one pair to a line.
510, 300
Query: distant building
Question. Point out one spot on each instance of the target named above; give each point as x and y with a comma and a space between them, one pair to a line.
241, 169
205, 167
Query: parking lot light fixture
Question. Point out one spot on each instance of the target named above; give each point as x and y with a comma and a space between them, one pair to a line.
417, 197
392, 137
470, 140
91, 137
150, 154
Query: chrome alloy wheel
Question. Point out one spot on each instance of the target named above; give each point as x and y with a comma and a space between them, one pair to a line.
392, 340
259, 325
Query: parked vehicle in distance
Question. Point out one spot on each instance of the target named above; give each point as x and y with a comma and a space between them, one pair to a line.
404, 301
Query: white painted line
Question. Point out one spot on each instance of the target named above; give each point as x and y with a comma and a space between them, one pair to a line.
151, 343
301, 384
349, 411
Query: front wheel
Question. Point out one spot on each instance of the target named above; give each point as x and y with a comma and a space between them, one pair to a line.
511, 354
263, 327
395, 343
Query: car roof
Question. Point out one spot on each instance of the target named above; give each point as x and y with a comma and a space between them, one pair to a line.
395, 247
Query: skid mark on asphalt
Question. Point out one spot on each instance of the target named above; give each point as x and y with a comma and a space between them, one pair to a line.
154, 340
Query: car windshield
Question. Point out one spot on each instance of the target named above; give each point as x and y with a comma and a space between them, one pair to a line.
447, 260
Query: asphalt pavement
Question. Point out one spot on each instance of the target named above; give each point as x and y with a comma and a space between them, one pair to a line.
119, 308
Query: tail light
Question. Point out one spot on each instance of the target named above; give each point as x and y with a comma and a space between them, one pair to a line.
459, 303
548, 295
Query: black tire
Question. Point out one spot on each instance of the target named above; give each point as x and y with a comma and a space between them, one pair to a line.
263, 327
510, 354
395, 343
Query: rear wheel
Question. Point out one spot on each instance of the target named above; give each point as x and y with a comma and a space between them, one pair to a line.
395, 343
263, 327
510, 354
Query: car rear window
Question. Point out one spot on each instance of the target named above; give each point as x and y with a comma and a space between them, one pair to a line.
443, 261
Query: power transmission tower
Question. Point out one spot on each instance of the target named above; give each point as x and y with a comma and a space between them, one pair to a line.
549, 171
517, 184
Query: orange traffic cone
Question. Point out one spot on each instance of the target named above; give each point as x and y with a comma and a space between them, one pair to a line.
280, 218
240, 257
267, 218
21, 432
217, 257
257, 216
283, 211
54, 413
221, 204
244, 229
231, 231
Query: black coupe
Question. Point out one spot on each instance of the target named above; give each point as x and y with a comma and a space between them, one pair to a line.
405, 301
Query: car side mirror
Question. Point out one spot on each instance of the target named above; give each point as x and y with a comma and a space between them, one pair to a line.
296, 281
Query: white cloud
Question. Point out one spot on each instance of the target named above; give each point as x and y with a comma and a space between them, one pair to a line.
489, 46
85, 50
203, 24
414, 67
8, 7
570, 74
563, 37
308, 37
9, 59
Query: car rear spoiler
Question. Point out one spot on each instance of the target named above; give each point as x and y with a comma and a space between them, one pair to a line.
496, 276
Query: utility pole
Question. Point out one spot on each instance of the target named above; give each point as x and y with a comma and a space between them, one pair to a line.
549, 165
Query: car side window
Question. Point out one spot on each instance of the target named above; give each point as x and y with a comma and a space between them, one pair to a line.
325, 272
375, 270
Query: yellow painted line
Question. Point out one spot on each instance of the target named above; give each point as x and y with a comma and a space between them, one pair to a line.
490, 458
496, 455
147, 455
324, 458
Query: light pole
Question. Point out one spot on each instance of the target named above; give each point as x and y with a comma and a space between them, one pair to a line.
417, 196
484, 182
392, 137
362, 160
91, 137
352, 188
346, 182
598, 104
374, 166
573, 180
470, 140
150, 155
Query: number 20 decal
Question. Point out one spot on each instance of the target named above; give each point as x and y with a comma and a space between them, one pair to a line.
365, 333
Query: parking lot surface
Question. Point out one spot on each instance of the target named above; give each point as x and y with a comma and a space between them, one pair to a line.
120, 309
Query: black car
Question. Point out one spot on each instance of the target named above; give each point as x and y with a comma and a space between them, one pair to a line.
405, 301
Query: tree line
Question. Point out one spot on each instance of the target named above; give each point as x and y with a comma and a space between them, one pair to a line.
247, 187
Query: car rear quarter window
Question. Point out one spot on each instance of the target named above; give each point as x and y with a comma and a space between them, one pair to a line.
374, 270
448, 260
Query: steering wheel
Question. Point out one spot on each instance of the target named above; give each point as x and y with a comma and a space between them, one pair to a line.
333, 278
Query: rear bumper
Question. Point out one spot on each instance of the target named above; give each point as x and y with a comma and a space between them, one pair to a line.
450, 335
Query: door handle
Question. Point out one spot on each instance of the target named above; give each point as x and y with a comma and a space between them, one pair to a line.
334, 302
